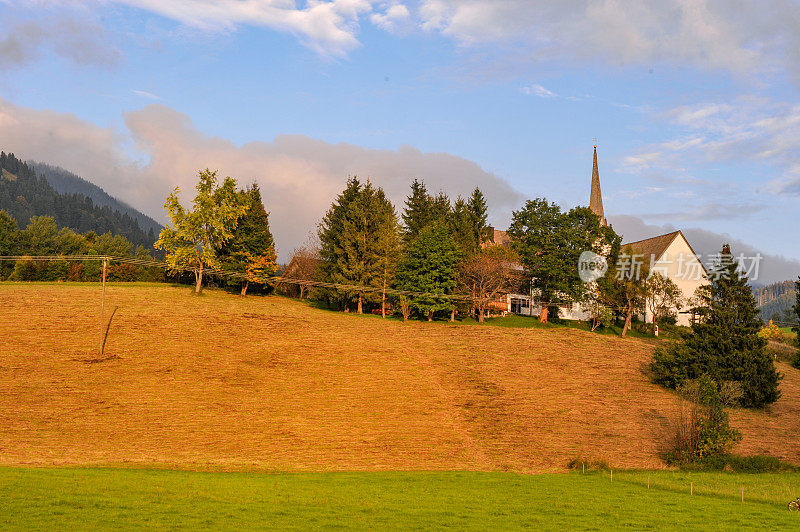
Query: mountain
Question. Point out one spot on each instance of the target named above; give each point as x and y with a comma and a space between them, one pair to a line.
65, 182
776, 298
24, 194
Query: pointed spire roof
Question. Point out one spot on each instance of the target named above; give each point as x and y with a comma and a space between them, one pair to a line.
596, 196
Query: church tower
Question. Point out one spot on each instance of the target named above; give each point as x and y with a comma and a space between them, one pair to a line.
596, 197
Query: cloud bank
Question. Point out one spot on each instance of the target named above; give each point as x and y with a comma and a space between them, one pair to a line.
299, 176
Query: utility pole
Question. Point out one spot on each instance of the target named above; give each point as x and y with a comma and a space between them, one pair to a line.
103, 304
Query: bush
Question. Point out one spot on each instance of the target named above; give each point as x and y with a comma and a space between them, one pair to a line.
741, 464
703, 429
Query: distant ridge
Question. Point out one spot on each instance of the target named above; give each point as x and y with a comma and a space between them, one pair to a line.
776, 298
24, 194
65, 182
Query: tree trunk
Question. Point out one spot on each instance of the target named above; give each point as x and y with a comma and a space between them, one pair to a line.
480, 314
453, 316
543, 314
198, 275
244, 288
627, 325
302, 290
360, 307
383, 298
430, 316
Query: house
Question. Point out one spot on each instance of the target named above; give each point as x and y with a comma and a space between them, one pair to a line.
670, 254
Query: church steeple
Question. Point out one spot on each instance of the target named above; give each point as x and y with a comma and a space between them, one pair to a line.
596, 197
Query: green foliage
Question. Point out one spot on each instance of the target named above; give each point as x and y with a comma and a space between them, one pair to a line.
704, 430
663, 296
724, 343
429, 265
742, 464
549, 243
796, 329
418, 211
251, 248
359, 242
195, 236
27, 196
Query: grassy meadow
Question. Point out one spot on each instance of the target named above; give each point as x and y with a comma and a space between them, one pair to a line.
146, 499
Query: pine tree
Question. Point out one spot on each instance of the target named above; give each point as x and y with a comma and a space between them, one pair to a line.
796, 328
418, 212
461, 227
430, 266
478, 217
724, 344
251, 249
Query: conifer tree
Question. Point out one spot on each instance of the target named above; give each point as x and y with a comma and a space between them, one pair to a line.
461, 228
724, 343
418, 211
478, 217
430, 266
251, 249
796, 328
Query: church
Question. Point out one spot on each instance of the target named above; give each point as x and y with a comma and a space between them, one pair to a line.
670, 254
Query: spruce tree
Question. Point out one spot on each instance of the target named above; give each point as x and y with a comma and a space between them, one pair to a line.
430, 266
724, 343
418, 211
461, 229
796, 328
478, 217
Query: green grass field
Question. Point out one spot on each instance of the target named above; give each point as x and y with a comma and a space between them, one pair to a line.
127, 498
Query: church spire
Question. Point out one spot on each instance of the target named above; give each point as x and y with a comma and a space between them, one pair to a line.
596, 197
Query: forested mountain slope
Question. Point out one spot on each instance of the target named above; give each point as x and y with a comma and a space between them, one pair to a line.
65, 182
24, 194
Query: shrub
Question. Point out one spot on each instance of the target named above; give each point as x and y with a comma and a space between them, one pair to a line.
587, 464
703, 429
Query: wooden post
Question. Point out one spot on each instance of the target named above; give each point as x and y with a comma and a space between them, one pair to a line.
742, 494
612, 475
691, 488
648, 481
103, 304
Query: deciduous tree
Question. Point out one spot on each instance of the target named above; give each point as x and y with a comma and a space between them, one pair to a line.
487, 274
194, 236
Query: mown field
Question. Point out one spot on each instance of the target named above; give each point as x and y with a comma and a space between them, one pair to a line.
267, 383
81, 499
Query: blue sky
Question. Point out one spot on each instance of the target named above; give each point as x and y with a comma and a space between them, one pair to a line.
696, 109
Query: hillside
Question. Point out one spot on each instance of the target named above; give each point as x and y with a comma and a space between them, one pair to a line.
777, 298
227, 382
23, 194
65, 182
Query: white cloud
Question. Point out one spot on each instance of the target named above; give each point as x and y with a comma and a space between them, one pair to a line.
146, 94
396, 17
328, 27
746, 129
705, 33
299, 176
80, 41
539, 91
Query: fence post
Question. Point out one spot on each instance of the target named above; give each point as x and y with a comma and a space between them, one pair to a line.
103, 304
691, 488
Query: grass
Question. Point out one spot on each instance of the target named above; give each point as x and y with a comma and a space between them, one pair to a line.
124, 498
223, 382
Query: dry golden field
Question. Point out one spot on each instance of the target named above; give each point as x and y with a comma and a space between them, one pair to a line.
220, 381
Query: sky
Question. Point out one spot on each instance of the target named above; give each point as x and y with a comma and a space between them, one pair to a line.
694, 105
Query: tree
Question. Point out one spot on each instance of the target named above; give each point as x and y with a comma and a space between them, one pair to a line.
9, 241
625, 290
459, 224
487, 274
359, 241
663, 296
796, 328
478, 211
303, 265
429, 266
251, 248
724, 342
418, 212
195, 236
549, 244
